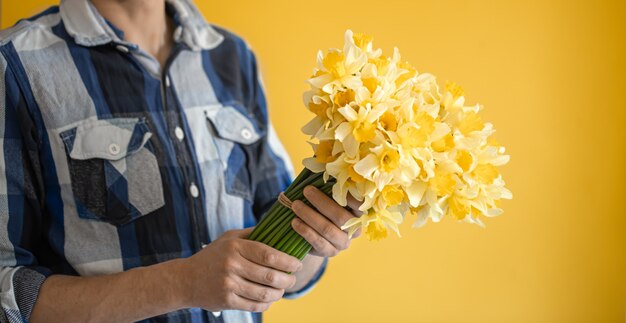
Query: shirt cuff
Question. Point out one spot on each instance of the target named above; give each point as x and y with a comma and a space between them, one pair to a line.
23, 287
310, 285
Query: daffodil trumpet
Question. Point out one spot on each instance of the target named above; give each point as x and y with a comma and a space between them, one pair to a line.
395, 140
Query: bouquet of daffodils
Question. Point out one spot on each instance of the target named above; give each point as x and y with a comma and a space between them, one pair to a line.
393, 139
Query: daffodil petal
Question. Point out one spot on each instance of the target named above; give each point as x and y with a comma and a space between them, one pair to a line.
351, 146
321, 81
415, 192
350, 223
342, 131
340, 194
366, 166
313, 165
312, 127
348, 113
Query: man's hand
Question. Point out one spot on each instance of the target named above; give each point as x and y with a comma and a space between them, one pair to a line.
235, 273
321, 227
229, 273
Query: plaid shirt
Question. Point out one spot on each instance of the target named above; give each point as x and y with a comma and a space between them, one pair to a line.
110, 162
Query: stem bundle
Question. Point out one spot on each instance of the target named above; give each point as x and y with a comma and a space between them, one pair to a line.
275, 229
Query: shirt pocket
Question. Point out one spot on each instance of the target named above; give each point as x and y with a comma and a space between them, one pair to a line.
235, 138
114, 173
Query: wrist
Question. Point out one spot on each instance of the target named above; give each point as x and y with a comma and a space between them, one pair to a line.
177, 279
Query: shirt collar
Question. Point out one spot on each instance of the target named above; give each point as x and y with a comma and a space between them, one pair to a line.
88, 28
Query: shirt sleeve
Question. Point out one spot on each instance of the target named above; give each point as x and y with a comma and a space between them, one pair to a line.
309, 286
21, 192
274, 170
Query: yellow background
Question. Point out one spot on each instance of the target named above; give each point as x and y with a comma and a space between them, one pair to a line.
552, 77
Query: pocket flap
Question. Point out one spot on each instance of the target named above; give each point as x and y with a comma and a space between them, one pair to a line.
230, 124
110, 139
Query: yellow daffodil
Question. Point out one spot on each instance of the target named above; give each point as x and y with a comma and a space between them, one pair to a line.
340, 68
358, 127
386, 164
397, 141
365, 43
375, 224
348, 180
392, 195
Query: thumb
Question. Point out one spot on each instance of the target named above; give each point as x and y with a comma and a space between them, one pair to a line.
243, 234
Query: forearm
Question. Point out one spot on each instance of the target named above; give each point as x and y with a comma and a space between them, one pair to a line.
124, 297
310, 266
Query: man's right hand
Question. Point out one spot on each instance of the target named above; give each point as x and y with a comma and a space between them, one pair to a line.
229, 273
235, 273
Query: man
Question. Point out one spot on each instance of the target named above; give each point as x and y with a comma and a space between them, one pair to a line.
136, 146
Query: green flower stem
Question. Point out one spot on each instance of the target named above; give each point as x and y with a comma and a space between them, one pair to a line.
286, 240
294, 242
304, 249
283, 219
290, 250
275, 229
291, 241
271, 228
266, 221
298, 187
287, 223
283, 228
268, 224
299, 253
280, 230
297, 250
265, 224
303, 177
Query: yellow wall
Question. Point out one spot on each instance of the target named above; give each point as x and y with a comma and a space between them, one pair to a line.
551, 75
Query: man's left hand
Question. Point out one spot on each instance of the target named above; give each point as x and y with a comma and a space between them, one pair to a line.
321, 225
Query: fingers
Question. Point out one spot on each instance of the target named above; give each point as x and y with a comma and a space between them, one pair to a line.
322, 225
258, 293
243, 234
321, 246
237, 302
354, 204
327, 206
267, 256
266, 276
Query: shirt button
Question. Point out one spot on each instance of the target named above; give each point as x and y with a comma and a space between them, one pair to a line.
167, 81
179, 133
114, 149
122, 48
217, 314
193, 189
246, 134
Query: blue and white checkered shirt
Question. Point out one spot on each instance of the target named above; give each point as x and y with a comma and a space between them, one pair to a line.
110, 162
